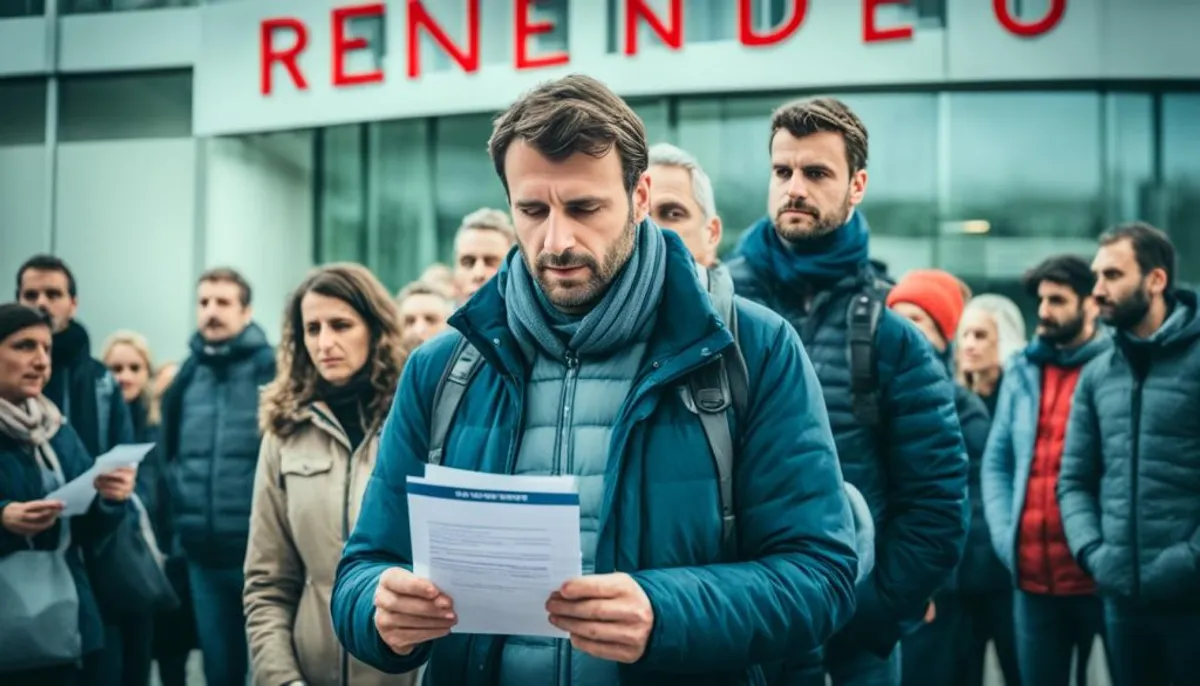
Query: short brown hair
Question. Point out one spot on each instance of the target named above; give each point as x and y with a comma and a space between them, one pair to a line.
805, 117
229, 275
573, 114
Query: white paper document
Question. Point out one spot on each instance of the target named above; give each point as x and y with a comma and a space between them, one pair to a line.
498, 545
77, 496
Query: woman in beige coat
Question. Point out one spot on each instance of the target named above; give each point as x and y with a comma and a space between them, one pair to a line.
339, 361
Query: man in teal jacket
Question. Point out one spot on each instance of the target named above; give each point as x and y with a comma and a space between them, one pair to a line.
586, 334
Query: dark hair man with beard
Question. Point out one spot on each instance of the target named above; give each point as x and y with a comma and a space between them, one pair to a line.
1130, 484
1055, 608
891, 408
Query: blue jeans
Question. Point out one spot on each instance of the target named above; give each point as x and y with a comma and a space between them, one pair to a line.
1152, 646
125, 658
951, 650
1049, 630
846, 665
220, 623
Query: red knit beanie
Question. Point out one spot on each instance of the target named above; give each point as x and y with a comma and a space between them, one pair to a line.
937, 292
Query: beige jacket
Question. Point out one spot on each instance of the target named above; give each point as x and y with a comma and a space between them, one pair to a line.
307, 494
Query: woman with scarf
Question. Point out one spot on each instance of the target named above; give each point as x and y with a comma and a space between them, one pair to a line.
39, 452
975, 606
127, 356
339, 361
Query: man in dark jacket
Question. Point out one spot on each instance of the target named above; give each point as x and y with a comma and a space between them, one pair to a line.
897, 434
1130, 484
587, 336
80, 385
974, 608
211, 439
1057, 613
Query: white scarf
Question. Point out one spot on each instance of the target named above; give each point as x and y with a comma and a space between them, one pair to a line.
33, 422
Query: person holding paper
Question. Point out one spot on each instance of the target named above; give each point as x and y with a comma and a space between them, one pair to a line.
39, 452
339, 360
586, 334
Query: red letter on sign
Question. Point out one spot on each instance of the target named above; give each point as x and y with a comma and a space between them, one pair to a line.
672, 36
343, 45
750, 38
1018, 28
872, 33
418, 17
525, 29
268, 56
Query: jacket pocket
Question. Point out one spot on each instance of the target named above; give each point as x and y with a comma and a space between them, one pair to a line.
1173, 576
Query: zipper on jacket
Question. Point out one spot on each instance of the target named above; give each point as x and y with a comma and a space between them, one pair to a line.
562, 464
218, 435
563, 419
568, 412
343, 655
1135, 420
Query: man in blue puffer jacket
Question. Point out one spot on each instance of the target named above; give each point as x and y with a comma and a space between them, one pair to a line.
900, 443
585, 335
210, 439
1130, 484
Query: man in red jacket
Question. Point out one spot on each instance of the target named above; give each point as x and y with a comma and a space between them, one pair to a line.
1056, 610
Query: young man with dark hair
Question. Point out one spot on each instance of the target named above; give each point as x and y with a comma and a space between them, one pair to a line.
1130, 485
80, 385
890, 399
211, 441
1055, 608
588, 340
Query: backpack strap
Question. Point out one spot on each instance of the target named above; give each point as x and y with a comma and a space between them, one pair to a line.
462, 367
862, 321
710, 393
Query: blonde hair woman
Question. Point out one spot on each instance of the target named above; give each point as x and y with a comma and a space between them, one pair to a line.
127, 355
990, 331
339, 360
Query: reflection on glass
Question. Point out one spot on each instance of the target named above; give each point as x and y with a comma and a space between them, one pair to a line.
1028, 163
86, 6
129, 105
1180, 194
21, 8
464, 177
403, 232
342, 212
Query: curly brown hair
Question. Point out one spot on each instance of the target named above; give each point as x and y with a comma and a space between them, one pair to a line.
282, 408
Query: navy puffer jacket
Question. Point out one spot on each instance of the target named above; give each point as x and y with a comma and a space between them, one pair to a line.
1130, 485
211, 440
911, 469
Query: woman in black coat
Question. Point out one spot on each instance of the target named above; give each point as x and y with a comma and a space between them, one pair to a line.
38, 453
127, 356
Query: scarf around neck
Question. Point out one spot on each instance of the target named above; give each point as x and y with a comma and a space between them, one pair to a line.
623, 314
825, 259
33, 423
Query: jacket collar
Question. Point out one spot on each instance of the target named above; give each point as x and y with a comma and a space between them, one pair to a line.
686, 322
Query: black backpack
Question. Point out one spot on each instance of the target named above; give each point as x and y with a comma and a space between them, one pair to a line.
710, 392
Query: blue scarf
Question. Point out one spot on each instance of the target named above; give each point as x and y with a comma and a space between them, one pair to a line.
624, 314
828, 258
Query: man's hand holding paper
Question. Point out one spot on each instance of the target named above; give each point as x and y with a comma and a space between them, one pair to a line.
607, 615
410, 610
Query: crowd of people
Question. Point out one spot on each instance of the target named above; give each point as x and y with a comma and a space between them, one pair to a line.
832, 474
